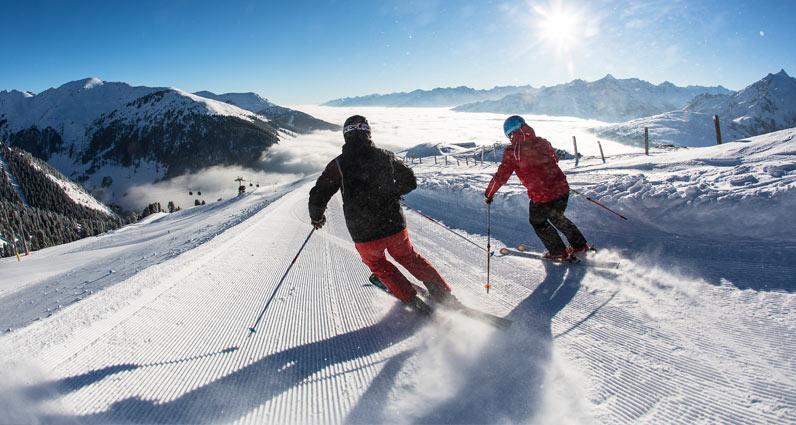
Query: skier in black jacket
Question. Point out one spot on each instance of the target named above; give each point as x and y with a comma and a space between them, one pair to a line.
372, 181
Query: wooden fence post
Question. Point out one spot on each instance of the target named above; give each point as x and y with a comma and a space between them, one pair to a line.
435, 160
646, 141
575, 144
446, 159
601, 151
718, 129
494, 153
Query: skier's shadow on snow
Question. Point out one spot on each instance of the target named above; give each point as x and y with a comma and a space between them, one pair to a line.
504, 384
236, 394
48, 390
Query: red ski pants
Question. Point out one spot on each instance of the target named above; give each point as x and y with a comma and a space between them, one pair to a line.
401, 250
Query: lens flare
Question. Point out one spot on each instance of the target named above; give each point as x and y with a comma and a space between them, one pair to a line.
557, 26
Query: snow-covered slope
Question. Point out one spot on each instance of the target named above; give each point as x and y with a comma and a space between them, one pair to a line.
765, 106
149, 324
250, 101
42, 207
607, 99
73, 191
29, 177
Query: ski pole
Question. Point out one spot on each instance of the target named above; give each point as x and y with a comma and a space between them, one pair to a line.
443, 226
592, 200
252, 329
488, 243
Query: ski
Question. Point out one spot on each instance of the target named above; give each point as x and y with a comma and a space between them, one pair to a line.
535, 255
496, 321
491, 319
581, 259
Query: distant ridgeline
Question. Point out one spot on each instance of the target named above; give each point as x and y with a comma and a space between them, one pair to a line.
42, 206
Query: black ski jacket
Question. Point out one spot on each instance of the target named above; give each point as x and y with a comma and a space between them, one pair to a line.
372, 181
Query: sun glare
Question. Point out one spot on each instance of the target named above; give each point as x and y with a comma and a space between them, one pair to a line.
557, 26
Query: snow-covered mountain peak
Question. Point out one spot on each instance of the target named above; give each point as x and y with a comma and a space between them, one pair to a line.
780, 78
78, 85
207, 106
16, 93
93, 82
279, 116
779, 81
77, 103
774, 89
249, 101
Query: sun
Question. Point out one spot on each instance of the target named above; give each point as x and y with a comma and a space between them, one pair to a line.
557, 26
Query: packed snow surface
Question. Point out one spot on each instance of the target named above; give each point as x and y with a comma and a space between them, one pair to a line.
150, 323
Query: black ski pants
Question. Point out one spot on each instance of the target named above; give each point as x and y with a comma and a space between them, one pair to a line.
547, 217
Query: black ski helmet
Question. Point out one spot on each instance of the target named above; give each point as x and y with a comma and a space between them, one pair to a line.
356, 123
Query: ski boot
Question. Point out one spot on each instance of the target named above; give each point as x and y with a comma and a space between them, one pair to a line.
580, 252
441, 296
419, 306
564, 256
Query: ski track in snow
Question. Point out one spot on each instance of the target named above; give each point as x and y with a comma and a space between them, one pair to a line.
167, 341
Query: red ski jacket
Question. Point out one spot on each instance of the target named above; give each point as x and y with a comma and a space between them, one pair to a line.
536, 165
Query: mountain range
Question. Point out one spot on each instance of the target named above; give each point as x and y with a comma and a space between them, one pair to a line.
767, 105
436, 98
607, 99
110, 135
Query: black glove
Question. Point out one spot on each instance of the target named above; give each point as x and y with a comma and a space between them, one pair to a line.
487, 199
319, 223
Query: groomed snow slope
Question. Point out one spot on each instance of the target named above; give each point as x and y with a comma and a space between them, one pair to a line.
164, 339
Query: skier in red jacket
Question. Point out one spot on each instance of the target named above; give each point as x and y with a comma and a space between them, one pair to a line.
536, 165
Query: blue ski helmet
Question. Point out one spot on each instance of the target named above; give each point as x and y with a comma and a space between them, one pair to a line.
512, 124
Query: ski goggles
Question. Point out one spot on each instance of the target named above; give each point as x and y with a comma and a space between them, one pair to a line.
363, 126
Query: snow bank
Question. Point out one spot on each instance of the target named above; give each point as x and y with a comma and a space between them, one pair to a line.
740, 190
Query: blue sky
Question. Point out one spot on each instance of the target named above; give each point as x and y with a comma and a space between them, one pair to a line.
295, 52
